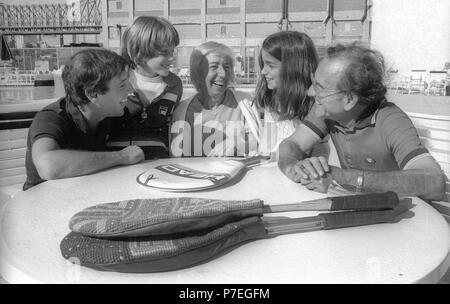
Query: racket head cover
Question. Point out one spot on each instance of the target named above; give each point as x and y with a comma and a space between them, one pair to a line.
142, 217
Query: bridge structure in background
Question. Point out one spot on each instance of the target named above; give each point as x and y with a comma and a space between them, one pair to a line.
79, 17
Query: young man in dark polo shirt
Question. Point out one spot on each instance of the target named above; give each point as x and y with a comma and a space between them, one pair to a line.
377, 145
68, 138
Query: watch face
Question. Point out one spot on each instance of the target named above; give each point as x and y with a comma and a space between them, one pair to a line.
360, 181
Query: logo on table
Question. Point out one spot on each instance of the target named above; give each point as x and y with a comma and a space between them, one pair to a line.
195, 174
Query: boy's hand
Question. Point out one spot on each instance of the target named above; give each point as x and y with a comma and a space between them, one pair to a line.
131, 155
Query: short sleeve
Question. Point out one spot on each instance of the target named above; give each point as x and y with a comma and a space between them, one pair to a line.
49, 124
400, 135
316, 124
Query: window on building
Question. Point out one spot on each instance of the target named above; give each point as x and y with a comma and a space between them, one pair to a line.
223, 2
112, 32
223, 30
119, 5
189, 31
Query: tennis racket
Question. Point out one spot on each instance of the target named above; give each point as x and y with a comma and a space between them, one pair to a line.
191, 174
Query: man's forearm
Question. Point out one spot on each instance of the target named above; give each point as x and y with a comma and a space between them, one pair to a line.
68, 163
289, 155
321, 149
426, 184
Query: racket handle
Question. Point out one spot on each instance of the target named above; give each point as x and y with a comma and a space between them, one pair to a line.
356, 218
386, 200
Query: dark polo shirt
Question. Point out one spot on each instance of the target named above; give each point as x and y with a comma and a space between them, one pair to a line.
63, 122
384, 141
148, 127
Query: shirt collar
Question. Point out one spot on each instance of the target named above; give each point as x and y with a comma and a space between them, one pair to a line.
367, 121
171, 80
81, 122
77, 116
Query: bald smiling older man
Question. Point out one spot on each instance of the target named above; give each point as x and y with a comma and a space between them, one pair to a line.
377, 145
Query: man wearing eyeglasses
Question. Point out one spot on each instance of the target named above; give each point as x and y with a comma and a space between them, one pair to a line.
377, 145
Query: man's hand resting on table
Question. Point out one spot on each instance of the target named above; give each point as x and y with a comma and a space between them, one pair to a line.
313, 173
319, 185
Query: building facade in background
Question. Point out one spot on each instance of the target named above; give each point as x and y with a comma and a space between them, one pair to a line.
241, 24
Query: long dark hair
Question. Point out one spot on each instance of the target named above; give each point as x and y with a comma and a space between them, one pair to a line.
299, 59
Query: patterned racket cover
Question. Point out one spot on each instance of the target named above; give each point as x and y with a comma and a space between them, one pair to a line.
142, 217
192, 175
152, 254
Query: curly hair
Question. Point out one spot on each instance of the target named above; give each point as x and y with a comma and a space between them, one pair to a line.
90, 71
148, 37
199, 64
363, 74
299, 60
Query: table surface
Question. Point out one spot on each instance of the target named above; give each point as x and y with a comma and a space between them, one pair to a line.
413, 250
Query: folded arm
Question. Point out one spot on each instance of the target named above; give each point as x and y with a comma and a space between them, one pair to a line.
424, 179
294, 149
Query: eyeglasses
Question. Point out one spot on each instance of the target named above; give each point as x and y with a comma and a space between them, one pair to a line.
318, 90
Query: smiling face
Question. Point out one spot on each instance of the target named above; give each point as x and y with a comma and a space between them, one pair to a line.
218, 77
158, 65
112, 103
329, 100
271, 70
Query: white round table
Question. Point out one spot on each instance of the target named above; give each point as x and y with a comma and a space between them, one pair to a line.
413, 250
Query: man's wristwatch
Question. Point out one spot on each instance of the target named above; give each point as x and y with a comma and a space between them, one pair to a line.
360, 181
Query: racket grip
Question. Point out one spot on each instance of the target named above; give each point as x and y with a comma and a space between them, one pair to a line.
370, 201
356, 218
